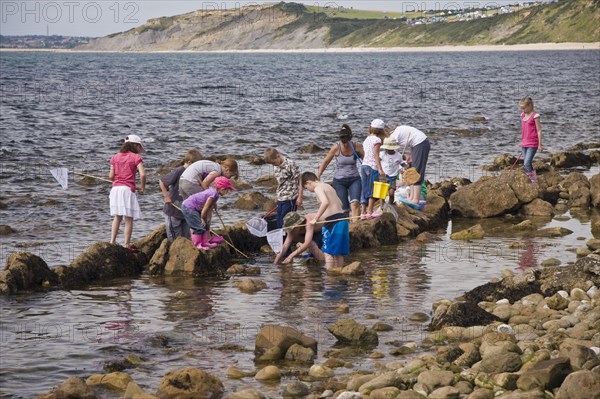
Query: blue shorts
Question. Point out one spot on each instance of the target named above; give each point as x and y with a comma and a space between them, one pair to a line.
336, 238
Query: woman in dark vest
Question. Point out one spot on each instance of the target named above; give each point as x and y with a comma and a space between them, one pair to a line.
346, 179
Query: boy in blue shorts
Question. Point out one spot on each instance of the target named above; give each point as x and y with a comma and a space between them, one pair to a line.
336, 233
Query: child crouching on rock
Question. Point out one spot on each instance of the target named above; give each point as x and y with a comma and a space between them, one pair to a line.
197, 210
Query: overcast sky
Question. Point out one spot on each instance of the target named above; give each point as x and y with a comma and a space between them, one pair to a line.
103, 17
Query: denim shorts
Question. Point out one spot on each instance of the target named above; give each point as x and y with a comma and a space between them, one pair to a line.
348, 187
192, 217
368, 176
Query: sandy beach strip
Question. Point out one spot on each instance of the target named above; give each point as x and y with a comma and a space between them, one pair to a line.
424, 49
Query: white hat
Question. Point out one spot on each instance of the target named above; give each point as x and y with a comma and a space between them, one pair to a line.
390, 144
378, 124
133, 138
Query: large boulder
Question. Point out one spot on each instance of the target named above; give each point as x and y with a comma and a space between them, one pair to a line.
545, 375
101, 261
186, 259
273, 336
493, 195
538, 207
373, 233
582, 384
348, 331
25, 271
190, 383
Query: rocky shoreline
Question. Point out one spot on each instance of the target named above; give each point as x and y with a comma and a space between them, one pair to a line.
528, 335
542, 343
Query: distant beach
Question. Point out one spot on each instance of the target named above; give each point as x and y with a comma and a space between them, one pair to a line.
425, 49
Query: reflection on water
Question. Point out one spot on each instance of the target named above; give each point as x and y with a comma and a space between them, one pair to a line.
173, 322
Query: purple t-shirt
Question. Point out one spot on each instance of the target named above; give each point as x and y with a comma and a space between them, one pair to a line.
198, 200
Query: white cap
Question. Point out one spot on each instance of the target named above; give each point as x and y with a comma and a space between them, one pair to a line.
378, 124
133, 138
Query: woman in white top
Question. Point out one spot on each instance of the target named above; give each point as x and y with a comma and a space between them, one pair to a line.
418, 144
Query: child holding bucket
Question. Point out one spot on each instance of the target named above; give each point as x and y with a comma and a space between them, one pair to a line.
371, 167
391, 160
123, 200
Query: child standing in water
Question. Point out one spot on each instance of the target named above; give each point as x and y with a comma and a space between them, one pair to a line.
531, 136
335, 230
123, 200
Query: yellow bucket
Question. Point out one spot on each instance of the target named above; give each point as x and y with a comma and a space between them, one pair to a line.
380, 190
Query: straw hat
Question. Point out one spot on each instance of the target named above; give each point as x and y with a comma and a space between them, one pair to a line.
390, 144
291, 220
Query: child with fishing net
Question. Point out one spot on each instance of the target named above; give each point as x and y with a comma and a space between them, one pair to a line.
198, 208
289, 189
123, 199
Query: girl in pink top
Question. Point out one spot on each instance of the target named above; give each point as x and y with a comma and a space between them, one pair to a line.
531, 136
123, 200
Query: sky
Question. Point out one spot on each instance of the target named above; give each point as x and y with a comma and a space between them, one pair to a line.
102, 17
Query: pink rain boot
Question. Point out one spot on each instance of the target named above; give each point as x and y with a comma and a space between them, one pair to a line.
205, 241
532, 177
197, 240
216, 240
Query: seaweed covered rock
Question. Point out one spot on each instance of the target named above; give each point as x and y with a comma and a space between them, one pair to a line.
461, 314
25, 271
101, 261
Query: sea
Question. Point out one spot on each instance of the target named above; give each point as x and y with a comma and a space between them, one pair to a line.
72, 110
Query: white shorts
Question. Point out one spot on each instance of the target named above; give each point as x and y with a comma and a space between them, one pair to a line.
123, 202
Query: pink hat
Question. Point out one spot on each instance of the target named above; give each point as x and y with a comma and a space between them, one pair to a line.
223, 182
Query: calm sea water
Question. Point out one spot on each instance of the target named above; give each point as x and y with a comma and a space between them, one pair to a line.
70, 110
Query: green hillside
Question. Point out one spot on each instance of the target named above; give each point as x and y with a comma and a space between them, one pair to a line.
564, 21
295, 26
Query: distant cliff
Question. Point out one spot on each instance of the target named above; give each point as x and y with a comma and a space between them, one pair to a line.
294, 26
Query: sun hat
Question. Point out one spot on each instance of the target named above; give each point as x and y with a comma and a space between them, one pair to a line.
390, 144
291, 220
378, 124
223, 182
134, 138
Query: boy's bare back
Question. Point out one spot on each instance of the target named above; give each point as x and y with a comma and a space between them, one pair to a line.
326, 194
